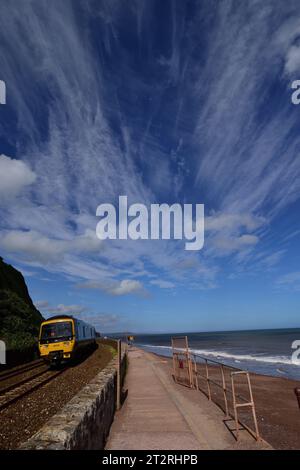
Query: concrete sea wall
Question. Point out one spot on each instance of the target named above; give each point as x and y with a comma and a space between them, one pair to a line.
85, 421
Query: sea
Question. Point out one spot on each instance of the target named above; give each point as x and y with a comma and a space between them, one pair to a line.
267, 352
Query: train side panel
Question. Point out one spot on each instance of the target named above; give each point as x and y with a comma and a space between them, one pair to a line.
84, 333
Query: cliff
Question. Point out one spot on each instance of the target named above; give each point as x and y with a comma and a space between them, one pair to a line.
19, 319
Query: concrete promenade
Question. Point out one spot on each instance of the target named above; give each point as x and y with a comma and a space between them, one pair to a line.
161, 415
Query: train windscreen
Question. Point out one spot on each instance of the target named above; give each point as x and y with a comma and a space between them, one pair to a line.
53, 332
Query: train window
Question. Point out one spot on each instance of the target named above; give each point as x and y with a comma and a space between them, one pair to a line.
53, 332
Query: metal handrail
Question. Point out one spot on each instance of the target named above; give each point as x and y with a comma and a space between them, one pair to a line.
213, 360
194, 374
223, 385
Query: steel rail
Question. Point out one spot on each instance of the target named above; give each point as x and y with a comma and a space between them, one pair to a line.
22, 382
28, 391
18, 371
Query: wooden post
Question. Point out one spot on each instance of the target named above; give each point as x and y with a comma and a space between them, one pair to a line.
207, 379
174, 367
190, 369
224, 390
253, 408
235, 407
297, 393
119, 385
196, 374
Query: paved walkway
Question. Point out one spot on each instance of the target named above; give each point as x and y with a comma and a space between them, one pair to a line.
161, 415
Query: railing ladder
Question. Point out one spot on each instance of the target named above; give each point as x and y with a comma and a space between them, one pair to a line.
237, 405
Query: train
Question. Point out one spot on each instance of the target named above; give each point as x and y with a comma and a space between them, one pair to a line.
64, 337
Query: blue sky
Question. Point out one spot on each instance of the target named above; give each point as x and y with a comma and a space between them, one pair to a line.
173, 101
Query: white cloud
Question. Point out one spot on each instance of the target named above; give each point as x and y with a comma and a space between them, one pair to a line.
34, 246
127, 286
272, 259
292, 63
223, 221
59, 309
41, 304
162, 284
232, 233
107, 322
290, 281
15, 175
102, 320
66, 309
231, 244
116, 288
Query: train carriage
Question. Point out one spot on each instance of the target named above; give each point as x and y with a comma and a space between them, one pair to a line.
62, 337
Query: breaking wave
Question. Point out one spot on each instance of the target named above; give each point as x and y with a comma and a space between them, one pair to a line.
230, 356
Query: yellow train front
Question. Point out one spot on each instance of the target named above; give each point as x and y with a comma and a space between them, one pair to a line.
63, 337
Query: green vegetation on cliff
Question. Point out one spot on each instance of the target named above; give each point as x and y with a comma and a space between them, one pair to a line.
19, 319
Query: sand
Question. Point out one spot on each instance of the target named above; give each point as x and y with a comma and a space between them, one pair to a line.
276, 405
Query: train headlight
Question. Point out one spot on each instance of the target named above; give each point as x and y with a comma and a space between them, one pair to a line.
66, 343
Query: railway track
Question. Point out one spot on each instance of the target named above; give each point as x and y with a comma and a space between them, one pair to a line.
20, 370
14, 392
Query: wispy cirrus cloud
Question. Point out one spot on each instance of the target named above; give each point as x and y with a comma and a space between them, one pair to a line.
253, 158
289, 281
182, 112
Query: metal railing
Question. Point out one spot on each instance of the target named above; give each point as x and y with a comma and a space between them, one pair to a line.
190, 374
229, 392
